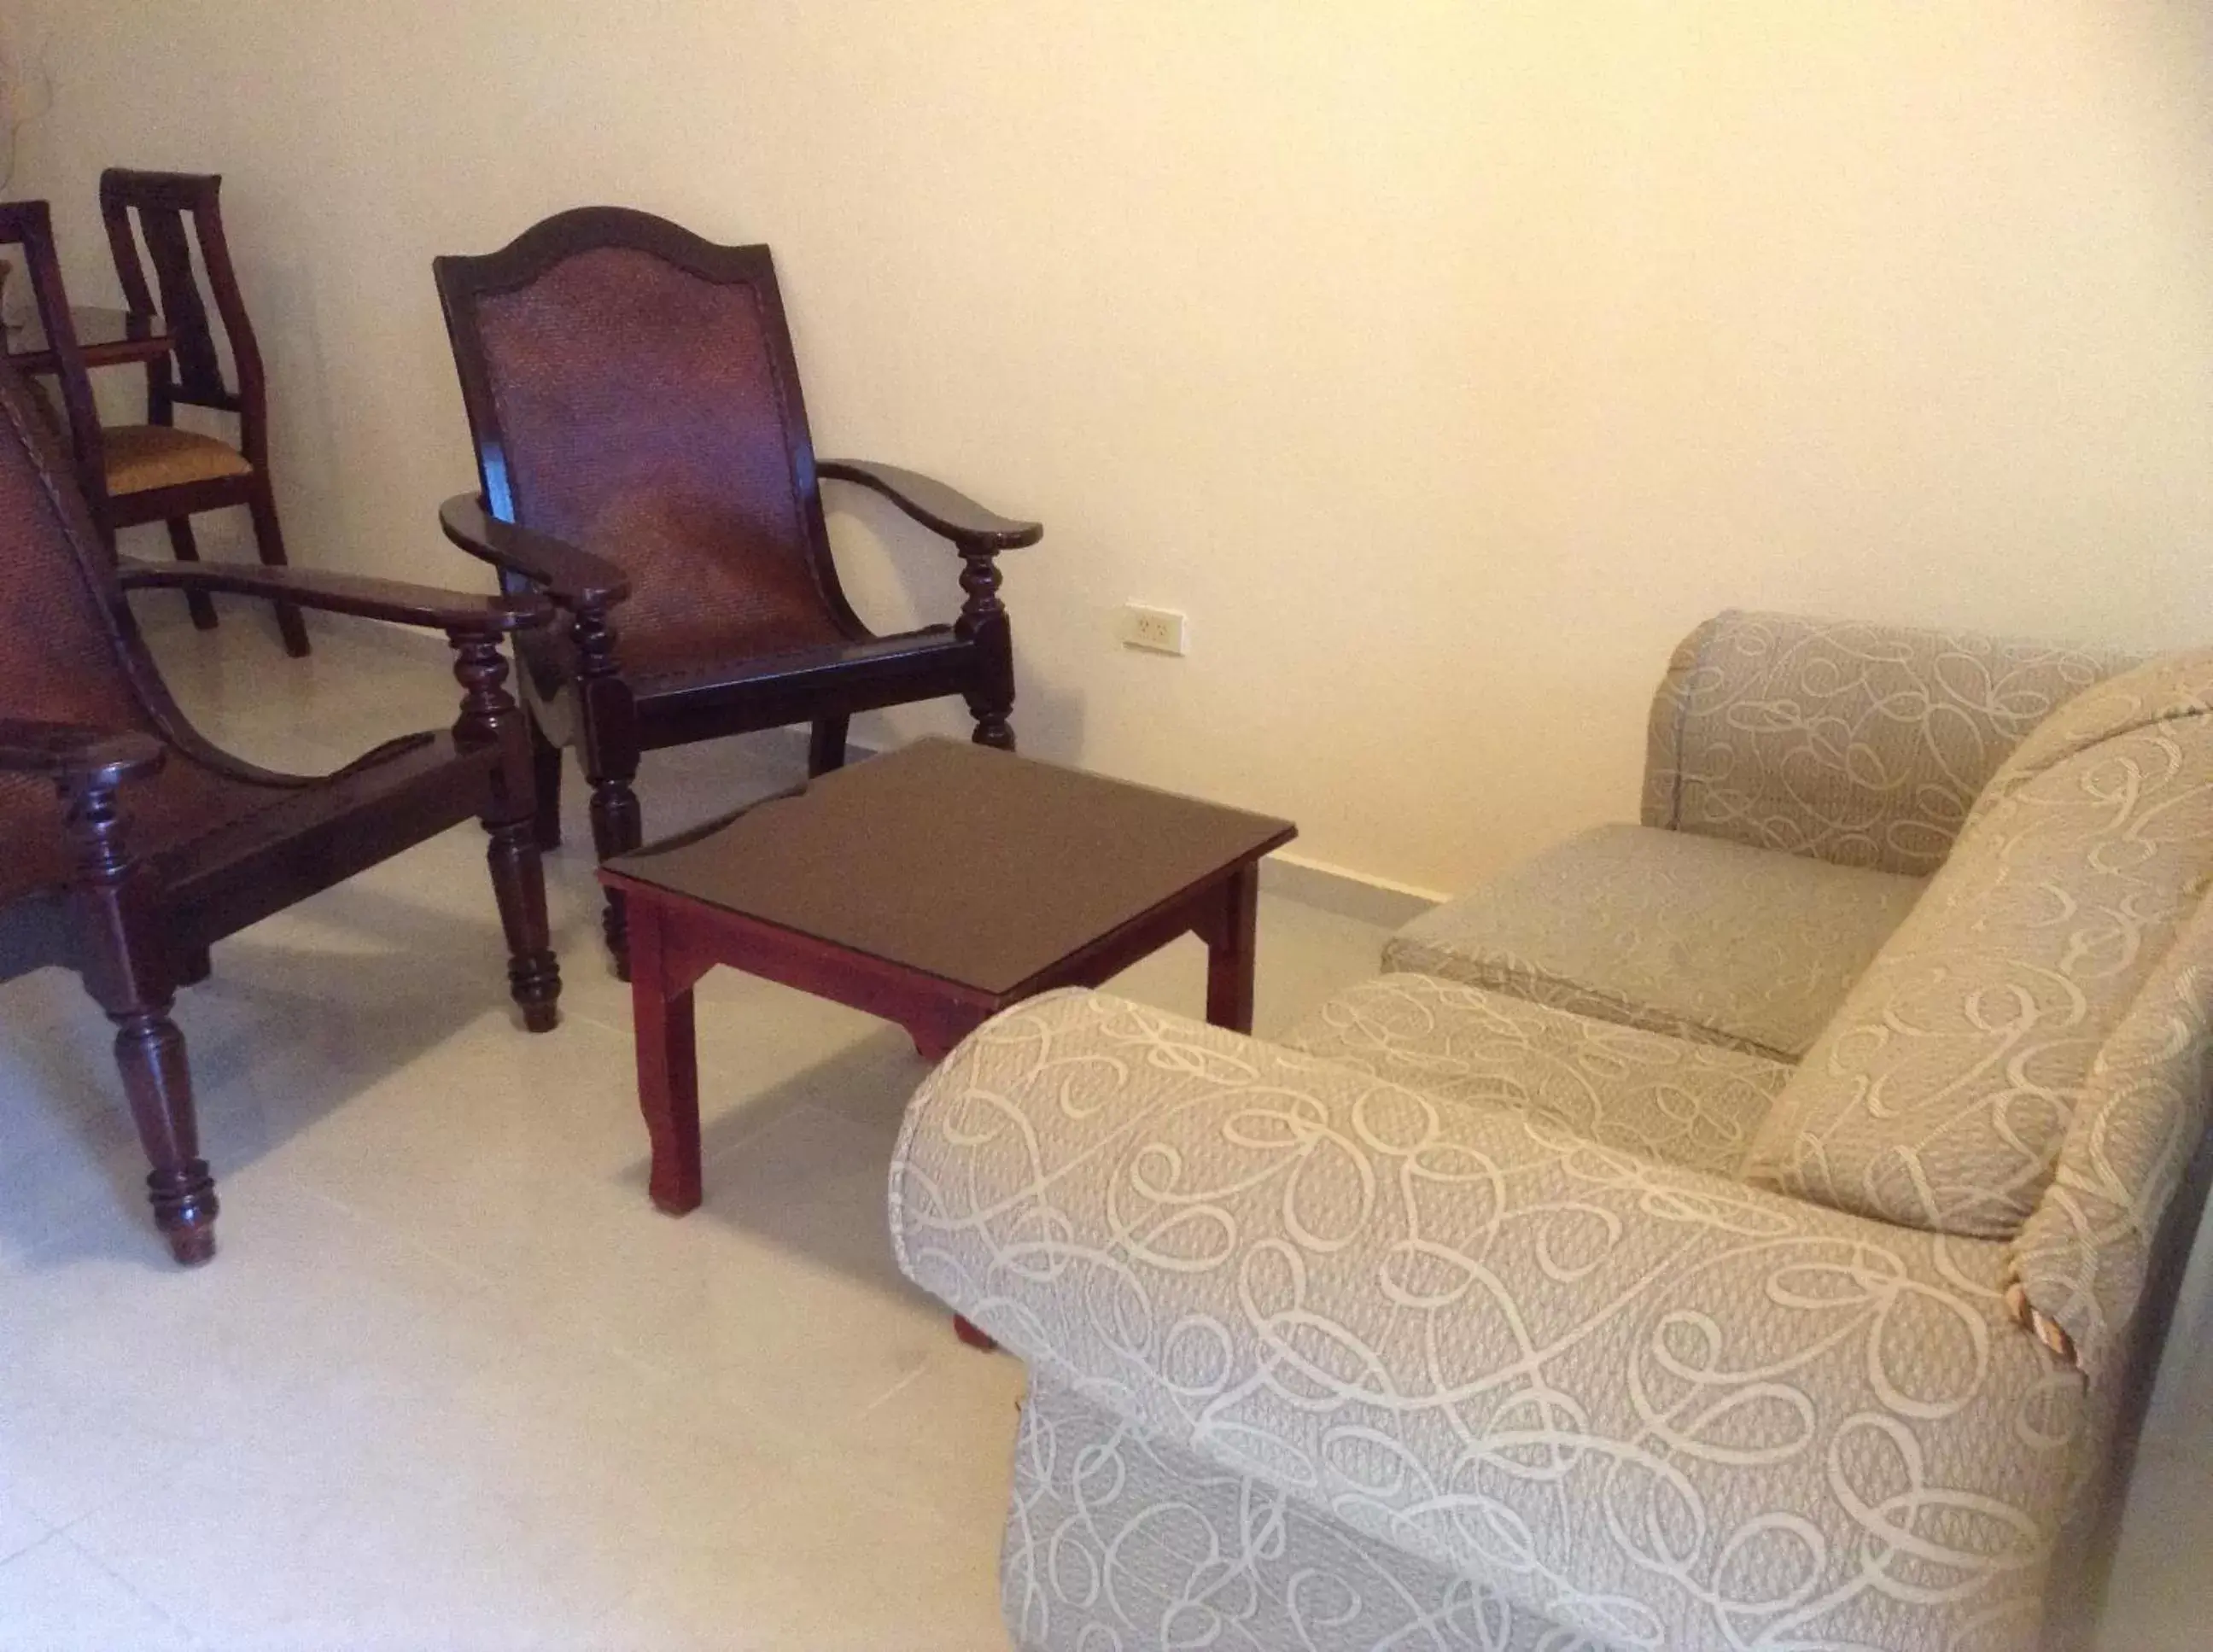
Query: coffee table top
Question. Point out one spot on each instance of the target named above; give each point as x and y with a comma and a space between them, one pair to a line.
977, 866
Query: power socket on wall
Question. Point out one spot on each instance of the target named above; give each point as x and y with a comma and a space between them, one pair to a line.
1157, 629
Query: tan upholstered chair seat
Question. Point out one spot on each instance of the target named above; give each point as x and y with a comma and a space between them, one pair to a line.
143, 457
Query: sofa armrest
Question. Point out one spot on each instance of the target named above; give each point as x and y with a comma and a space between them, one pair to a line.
1856, 743
1657, 1406
2105, 1248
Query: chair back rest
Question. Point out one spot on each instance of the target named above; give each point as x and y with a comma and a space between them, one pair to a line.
161, 202
28, 226
63, 655
630, 388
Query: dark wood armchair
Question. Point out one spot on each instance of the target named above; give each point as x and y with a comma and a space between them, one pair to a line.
638, 428
134, 845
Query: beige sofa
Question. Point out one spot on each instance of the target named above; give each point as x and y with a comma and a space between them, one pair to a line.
1752, 1228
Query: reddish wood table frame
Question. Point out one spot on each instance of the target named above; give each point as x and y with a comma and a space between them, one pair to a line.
933, 887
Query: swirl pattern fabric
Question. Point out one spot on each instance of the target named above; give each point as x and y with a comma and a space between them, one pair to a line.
1697, 936
1118, 1540
1941, 1092
1643, 1093
2083, 1256
1657, 1407
2163, 689
1859, 744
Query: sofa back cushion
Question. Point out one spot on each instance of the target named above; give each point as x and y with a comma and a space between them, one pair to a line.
1847, 742
1939, 1095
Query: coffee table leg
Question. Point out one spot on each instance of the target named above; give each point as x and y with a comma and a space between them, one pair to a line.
935, 1034
1229, 951
968, 1332
667, 1062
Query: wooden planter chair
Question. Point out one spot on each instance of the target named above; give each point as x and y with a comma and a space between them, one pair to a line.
134, 845
638, 426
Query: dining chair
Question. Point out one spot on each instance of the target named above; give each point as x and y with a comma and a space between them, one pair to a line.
158, 471
635, 405
134, 845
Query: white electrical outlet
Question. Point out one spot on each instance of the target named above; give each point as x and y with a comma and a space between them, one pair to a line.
1160, 630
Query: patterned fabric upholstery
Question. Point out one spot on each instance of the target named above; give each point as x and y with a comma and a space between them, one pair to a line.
1643, 1093
1118, 1539
1939, 1095
1683, 934
2167, 687
2083, 1255
643, 422
1859, 744
1658, 1407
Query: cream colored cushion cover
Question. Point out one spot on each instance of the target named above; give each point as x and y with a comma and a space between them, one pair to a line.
1939, 1095
1657, 1407
1118, 1539
1858, 743
1704, 938
2083, 1256
1644, 1093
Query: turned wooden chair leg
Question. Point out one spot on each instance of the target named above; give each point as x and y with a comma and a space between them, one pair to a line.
490, 717
518, 879
150, 1052
826, 745
269, 539
185, 548
131, 977
618, 827
545, 777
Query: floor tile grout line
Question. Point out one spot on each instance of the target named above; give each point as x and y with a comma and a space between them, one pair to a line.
99, 1563
897, 1388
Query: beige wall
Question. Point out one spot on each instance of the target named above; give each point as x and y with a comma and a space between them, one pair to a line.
1445, 360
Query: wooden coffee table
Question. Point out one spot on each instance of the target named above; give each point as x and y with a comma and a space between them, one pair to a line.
933, 887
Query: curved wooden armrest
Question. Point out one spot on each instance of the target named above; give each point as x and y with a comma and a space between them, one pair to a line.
943, 510
576, 578
77, 755
368, 598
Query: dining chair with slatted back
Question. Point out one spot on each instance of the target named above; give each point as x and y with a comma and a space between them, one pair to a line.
158, 471
636, 408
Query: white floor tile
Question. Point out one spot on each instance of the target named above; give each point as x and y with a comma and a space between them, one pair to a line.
19, 1527
55, 1598
451, 1381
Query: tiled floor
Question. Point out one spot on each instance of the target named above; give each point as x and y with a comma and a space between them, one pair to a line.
452, 1382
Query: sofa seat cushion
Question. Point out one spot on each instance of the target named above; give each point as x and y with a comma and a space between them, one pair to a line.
1940, 1095
1668, 930
1658, 1096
